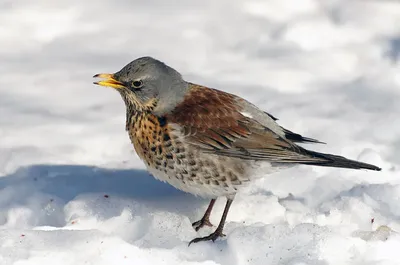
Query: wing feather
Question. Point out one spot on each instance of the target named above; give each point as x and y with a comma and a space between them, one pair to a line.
211, 120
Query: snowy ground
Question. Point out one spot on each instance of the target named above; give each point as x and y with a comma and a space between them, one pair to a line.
72, 191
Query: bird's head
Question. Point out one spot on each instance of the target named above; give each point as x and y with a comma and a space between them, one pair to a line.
147, 84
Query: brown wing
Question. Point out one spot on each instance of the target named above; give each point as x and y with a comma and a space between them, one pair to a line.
211, 120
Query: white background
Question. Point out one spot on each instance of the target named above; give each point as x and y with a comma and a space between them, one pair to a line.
327, 69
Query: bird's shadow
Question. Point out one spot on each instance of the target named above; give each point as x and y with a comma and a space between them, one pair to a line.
30, 186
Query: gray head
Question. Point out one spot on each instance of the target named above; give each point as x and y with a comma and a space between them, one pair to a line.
147, 84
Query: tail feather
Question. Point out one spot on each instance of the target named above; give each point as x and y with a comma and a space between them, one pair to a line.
338, 161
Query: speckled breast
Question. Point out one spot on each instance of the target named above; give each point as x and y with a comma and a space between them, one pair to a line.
170, 159
151, 139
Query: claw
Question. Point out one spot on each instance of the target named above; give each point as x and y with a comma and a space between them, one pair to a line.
201, 223
205, 221
213, 236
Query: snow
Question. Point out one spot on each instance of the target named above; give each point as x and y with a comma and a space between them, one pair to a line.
72, 191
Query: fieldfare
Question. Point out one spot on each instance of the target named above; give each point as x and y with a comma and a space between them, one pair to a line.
205, 141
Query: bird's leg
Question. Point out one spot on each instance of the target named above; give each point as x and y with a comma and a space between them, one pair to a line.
206, 217
218, 232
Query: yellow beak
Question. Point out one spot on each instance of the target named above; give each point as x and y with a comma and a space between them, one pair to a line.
109, 81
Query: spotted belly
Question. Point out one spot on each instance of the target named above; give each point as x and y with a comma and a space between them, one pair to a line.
202, 176
168, 158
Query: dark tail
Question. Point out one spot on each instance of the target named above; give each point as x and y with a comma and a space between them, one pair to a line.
338, 161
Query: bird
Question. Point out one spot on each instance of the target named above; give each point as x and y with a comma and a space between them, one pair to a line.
205, 141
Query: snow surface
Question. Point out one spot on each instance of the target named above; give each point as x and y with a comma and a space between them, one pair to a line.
72, 191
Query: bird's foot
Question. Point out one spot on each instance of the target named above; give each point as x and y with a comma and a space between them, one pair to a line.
213, 236
202, 222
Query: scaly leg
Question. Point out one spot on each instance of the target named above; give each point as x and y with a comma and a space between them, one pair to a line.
218, 232
206, 218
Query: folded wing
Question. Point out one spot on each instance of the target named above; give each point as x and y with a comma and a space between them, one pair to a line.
214, 121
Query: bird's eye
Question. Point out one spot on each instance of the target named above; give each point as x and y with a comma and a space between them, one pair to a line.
137, 84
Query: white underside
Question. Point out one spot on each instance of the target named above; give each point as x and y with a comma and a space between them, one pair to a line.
257, 170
